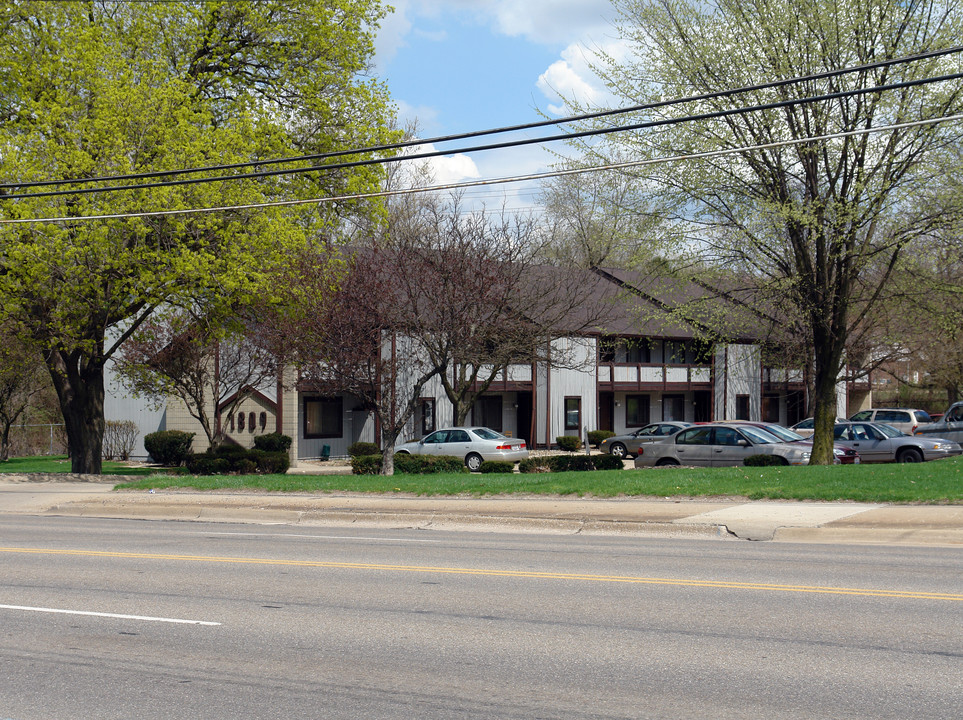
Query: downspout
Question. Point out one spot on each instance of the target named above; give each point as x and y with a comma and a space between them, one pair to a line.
279, 409
725, 383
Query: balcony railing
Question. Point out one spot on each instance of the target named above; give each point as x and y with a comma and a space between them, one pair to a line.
650, 374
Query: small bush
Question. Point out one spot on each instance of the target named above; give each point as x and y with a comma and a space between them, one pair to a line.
272, 463
428, 464
571, 443
169, 447
367, 464
497, 466
569, 463
595, 437
607, 462
763, 460
534, 465
272, 442
207, 464
363, 448
120, 436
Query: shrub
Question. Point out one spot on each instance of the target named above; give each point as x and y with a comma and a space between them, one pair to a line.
207, 464
570, 443
763, 460
169, 447
120, 436
272, 442
607, 462
363, 448
367, 464
272, 463
597, 436
567, 463
497, 466
428, 464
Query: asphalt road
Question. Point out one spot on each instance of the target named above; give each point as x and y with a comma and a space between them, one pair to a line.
135, 619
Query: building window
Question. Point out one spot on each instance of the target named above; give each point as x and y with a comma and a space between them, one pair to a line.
673, 407
742, 407
636, 410
323, 417
230, 422
263, 421
240, 422
427, 411
251, 421
573, 413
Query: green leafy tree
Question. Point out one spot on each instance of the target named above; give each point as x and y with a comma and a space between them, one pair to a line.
809, 223
97, 89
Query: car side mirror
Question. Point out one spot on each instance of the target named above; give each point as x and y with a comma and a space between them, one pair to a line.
742, 442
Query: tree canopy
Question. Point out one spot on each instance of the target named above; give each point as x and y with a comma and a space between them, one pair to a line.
93, 90
803, 201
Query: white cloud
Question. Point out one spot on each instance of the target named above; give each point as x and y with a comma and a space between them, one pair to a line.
444, 169
572, 77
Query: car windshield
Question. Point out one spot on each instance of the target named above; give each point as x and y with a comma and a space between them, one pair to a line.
486, 434
758, 435
889, 430
784, 434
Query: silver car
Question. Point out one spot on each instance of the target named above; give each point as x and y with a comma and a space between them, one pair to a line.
719, 445
948, 427
876, 442
628, 445
474, 444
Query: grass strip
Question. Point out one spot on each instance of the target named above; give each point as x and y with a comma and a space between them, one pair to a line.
936, 482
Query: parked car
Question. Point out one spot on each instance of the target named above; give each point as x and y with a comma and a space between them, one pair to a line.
474, 444
717, 445
878, 442
949, 426
628, 445
905, 419
844, 455
807, 427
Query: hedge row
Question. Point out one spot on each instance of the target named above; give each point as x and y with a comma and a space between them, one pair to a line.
566, 463
409, 464
232, 460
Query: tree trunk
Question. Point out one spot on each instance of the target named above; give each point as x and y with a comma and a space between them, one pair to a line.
5, 443
825, 374
79, 382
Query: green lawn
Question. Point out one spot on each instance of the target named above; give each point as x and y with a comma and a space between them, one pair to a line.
61, 464
934, 482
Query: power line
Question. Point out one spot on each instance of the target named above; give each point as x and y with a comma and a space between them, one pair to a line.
494, 181
450, 138
504, 145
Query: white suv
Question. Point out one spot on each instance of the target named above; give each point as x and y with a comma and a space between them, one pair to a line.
905, 419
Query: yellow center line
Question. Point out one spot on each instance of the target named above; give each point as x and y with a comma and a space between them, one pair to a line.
528, 574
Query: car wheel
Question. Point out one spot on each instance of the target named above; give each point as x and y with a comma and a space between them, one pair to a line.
667, 462
909, 455
618, 449
473, 461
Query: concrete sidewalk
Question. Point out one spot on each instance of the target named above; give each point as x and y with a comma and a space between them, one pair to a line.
721, 519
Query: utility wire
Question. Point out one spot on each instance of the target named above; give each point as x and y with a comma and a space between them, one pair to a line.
494, 181
463, 136
503, 145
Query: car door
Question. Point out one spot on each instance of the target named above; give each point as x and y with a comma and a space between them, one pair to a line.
871, 445
694, 446
458, 444
650, 433
434, 444
726, 448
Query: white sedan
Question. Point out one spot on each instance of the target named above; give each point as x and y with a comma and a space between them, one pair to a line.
474, 444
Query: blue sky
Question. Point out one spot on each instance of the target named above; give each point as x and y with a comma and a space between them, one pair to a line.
465, 65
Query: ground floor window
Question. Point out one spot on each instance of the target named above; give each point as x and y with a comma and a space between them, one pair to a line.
323, 417
742, 407
427, 412
573, 413
636, 410
770, 408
